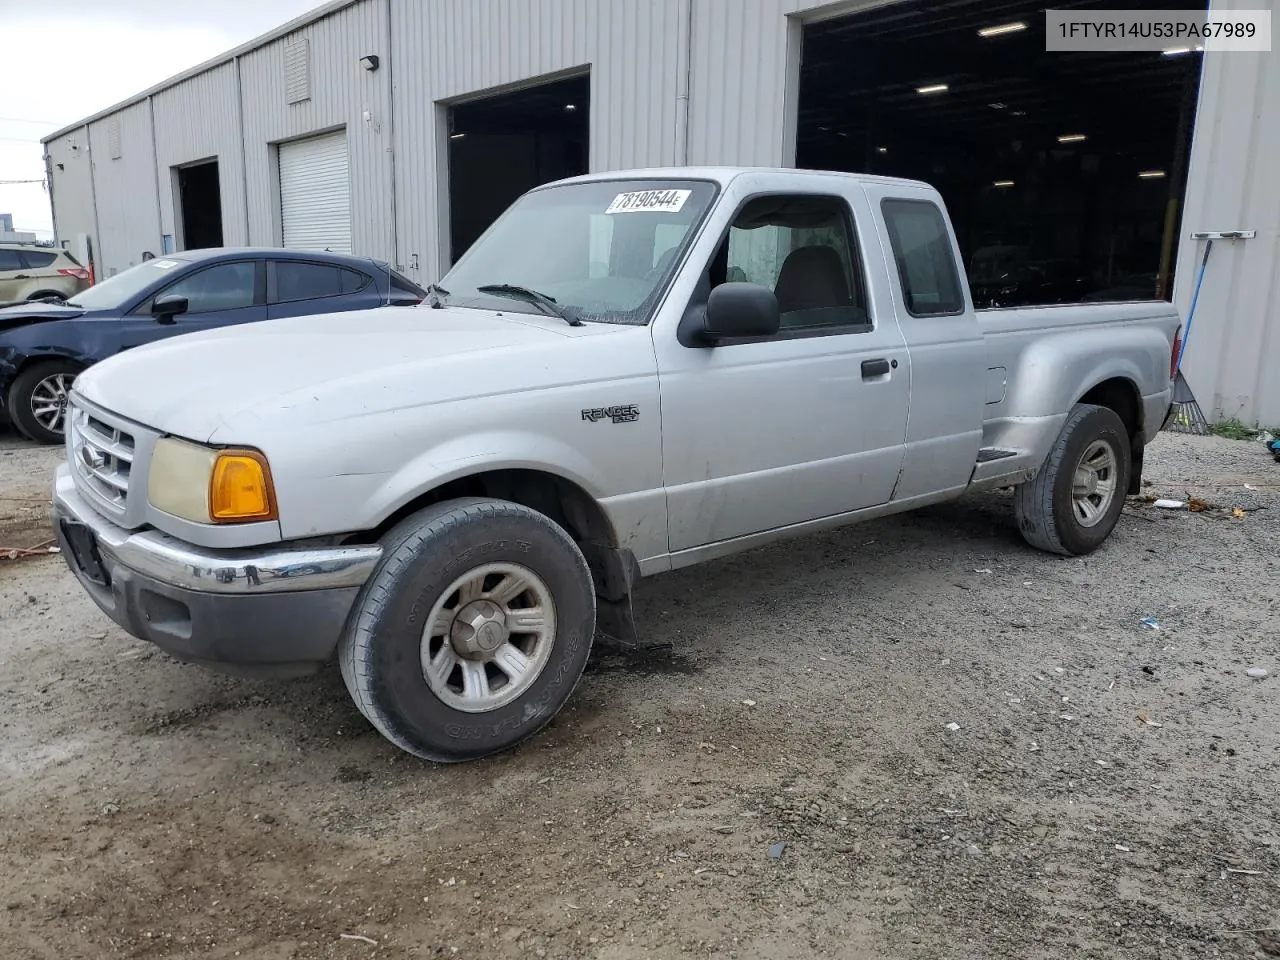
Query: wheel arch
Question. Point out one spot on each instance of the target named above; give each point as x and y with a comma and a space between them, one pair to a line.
563, 500
1121, 395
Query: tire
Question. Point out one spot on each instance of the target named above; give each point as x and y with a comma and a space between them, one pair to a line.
46, 380
1050, 516
447, 719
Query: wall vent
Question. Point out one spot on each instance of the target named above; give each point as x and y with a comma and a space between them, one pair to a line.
297, 71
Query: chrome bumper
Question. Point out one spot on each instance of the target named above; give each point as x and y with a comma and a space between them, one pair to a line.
243, 571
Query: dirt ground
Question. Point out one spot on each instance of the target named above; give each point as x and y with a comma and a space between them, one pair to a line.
1110, 790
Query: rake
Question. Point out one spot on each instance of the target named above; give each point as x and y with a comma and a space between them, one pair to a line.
1186, 415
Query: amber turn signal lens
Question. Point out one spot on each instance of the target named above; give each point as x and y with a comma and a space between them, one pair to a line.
241, 488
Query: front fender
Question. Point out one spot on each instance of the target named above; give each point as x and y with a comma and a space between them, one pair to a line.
465, 456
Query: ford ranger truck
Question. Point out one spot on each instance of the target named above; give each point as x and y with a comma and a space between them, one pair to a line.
628, 373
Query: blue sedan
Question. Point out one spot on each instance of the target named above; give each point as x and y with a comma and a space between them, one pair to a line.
44, 345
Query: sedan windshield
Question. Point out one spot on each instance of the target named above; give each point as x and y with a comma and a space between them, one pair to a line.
119, 291
599, 251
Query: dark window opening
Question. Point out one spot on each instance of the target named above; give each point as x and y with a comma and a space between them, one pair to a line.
504, 145
38, 259
1064, 174
200, 203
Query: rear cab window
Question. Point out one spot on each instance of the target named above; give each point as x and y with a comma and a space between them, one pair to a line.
924, 256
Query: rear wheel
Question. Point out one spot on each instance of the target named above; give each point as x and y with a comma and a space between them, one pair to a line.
38, 399
472, 632
1075, 500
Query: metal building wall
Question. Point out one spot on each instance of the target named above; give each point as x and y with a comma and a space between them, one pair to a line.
199, 119
746, 68
341, 91
1232, 361
125, 189
73, 189
452, 49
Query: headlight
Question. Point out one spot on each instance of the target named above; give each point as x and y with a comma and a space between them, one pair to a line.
206, 485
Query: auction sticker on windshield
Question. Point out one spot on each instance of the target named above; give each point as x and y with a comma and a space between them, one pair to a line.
649, 201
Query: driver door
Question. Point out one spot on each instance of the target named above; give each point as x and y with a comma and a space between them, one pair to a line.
219, 295
774, 432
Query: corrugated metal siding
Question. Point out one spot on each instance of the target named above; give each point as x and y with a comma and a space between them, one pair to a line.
450, 49
198, 120
72, 188
128, 221
341, 90
1233, 357
745, 68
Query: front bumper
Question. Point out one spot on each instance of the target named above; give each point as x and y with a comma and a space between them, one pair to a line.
262, 612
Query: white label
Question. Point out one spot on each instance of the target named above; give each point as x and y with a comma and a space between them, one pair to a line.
649, 201
164, 264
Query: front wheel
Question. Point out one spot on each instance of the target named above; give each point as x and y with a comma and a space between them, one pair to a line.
38, 400
472, 632
1074, 502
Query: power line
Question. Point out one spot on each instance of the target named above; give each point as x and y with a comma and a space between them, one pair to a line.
26, 120
9, 183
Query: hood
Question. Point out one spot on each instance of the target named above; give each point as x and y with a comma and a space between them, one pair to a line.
24, 314
194, 384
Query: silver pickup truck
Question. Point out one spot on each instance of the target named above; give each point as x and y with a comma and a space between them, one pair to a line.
628, 373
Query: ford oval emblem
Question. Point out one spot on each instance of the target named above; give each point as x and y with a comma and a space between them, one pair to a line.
93, 459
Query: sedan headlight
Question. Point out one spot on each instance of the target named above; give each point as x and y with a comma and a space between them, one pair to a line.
208, 485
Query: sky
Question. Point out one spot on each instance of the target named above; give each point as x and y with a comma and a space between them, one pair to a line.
65, 61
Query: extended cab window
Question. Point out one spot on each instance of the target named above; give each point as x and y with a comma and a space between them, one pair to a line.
10, 260
926, 263
803, 249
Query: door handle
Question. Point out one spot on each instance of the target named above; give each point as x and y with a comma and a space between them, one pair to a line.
22, 276
875, 368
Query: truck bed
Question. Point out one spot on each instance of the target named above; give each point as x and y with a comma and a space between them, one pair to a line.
1033, 351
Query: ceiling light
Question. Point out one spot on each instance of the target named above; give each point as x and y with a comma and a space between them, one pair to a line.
1151, 175
933, 88
882, 149
1003, 184
1073, 138
456, 136
570, 107
1018, 113
1002, 30
998, 106
1182, 51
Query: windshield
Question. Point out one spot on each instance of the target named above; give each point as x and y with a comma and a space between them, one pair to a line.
120, 290
603, 250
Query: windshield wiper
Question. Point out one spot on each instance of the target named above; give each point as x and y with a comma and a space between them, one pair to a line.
438, 293
546, 304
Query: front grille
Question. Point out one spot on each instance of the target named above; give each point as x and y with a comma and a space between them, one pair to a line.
102, 456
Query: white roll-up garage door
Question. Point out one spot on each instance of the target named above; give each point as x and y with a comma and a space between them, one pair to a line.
315, 193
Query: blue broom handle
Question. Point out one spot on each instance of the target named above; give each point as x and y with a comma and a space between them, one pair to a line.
1195, 299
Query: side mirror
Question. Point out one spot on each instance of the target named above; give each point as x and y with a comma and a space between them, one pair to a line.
741, 310
165, 309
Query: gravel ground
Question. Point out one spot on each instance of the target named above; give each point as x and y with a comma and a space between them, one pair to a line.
784, 782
